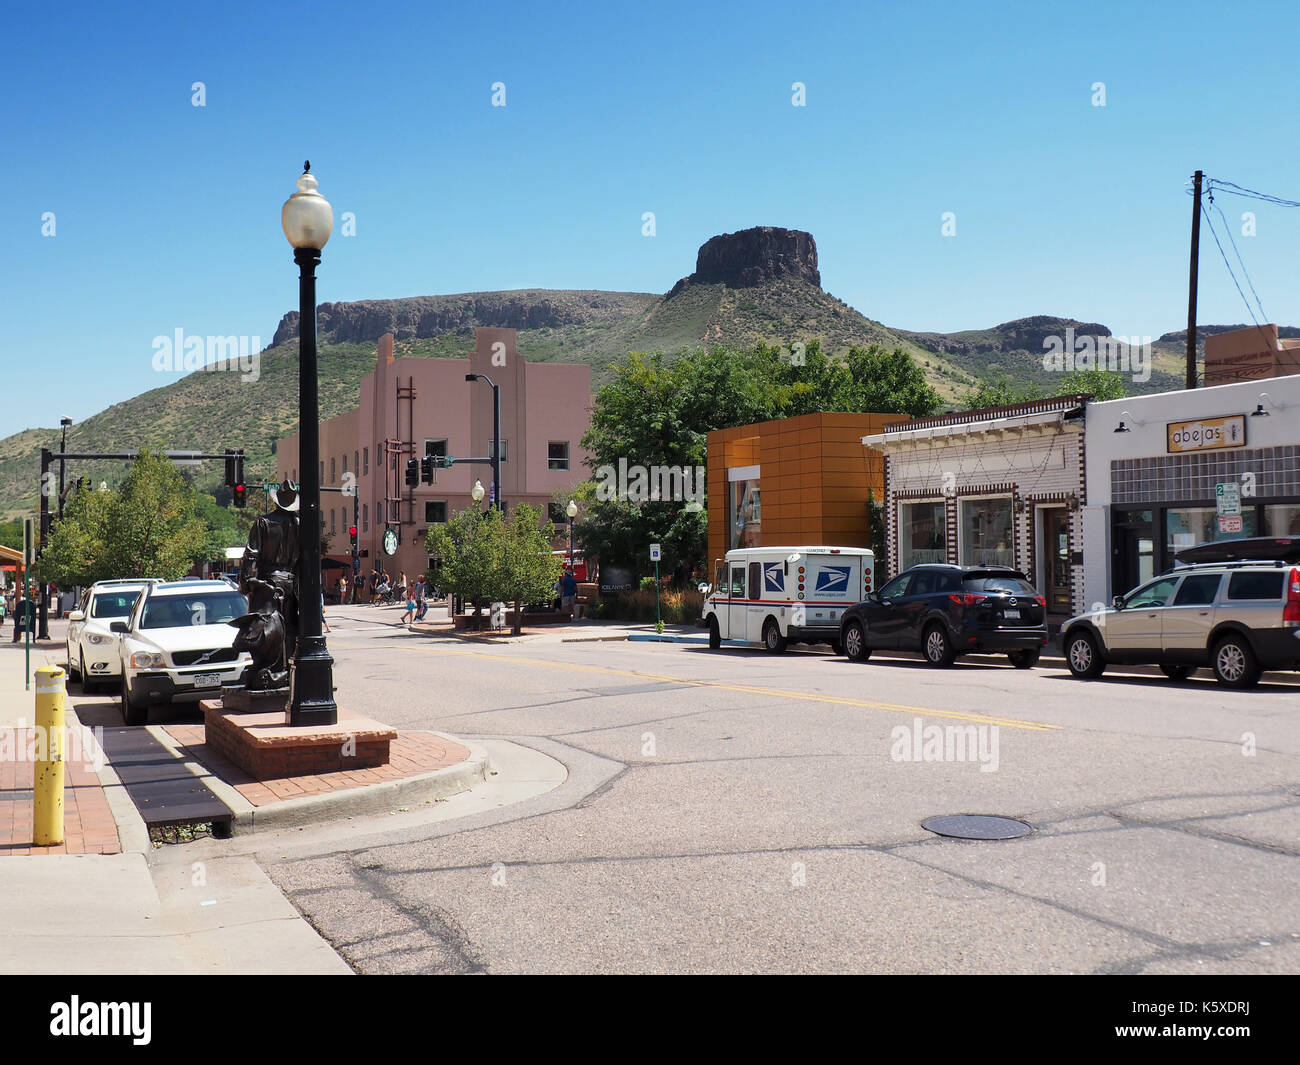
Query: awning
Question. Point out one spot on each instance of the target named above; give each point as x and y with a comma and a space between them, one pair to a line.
880, 441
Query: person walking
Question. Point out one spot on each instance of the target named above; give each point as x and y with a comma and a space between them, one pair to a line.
409, 611
324, 624
568, 586
343, 590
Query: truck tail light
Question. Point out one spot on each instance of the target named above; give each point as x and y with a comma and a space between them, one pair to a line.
1291, 612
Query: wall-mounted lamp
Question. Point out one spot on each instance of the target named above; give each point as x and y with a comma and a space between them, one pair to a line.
1260, 412
1123, 425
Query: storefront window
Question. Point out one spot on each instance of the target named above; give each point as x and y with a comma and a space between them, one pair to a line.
1282, 520
1189, 526
746, 514
986, 532
921, 529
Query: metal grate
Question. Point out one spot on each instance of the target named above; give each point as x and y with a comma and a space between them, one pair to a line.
977, 826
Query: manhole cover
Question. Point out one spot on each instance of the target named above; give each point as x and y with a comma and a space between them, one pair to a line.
977, 826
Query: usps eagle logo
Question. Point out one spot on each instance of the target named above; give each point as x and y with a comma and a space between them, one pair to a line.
833, 579
773, 577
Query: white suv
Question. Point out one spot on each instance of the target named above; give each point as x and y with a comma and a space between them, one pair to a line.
176, 645
92, 649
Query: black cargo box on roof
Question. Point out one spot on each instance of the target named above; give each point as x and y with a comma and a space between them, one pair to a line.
1252, 549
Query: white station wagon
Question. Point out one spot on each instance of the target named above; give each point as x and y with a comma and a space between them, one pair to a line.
92, 648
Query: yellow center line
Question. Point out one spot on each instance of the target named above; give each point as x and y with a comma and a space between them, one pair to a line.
957, 715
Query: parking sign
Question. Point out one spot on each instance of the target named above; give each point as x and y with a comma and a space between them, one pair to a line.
654, 552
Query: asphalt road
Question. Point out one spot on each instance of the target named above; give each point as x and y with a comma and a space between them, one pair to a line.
738, 812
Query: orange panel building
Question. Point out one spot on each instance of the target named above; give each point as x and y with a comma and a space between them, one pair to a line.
801, 480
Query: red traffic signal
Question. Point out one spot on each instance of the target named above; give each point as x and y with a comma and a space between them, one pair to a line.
241, 495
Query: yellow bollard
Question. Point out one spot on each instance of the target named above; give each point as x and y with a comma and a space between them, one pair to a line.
51, 703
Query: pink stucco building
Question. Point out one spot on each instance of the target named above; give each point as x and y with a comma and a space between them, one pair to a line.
411, 407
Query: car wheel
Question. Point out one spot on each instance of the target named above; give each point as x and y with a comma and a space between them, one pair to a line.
773, 642
1176, 672
715, 637
1235, 664
1083, 656
936, 647
855, 643
132, 714
1024, 659
87, 685
836, 647
73, 672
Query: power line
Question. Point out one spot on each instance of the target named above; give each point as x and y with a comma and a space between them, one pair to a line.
1236, 190
1249, 310
1228, 229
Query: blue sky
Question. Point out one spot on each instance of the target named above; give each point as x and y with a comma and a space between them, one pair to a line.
167, 214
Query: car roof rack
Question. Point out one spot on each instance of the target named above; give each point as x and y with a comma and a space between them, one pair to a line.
1245, 563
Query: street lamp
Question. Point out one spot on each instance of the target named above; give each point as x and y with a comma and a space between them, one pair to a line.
496, 434
477, 492
65, 421
572, 511
308, 220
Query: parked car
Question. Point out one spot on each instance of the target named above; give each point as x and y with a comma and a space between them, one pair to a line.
176, 645
92, 647
945, 611
1238, 617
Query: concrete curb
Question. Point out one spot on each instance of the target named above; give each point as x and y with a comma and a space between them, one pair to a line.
347, 802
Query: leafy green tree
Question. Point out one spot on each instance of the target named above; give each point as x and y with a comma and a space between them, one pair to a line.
467, 546
147, 527
1100, 384
11, 534
999, 391
888, 382
526, 570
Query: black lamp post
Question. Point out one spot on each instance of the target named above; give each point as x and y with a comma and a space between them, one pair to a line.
65, 421
496, 435
308, 220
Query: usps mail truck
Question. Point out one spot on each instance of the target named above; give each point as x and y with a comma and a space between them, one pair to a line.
776, 596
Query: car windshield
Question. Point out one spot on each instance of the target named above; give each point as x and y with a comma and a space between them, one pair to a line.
983, 582
113, 604
182, 611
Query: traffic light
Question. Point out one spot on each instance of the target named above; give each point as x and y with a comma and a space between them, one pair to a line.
231, 479
352, 536
426, 469
412, 473
239, 467
241, 495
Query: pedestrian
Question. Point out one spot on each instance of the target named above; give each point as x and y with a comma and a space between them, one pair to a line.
410, 610
324, 624
568, 586
343, 590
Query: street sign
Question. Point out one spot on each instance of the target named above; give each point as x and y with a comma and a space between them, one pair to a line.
1227, 497
1230, 523
654, 552
492, 493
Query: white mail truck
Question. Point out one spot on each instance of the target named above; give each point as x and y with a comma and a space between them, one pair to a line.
776, 596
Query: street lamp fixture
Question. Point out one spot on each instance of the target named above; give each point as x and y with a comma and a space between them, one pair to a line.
572, 511
496, 434
477, 492
308, 220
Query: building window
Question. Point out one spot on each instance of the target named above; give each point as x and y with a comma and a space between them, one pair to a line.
921, 534
986, 532
557, 455
365, 462
435, 447
333, 471
435, 511
334, 527
555, 513
345, 463
1281, 520
746, 514
1188, 526
322, 471
365, 517
356, 462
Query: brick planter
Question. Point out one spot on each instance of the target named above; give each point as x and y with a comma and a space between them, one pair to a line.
267, 748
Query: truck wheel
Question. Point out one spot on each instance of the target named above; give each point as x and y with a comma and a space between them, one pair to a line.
1235, 664
773, 642
715, 637
855, 643
1083, 656
937, 648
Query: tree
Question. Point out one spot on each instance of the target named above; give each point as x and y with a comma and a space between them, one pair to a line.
146, 528
466, 547
1100, 384
526, 570
998, 391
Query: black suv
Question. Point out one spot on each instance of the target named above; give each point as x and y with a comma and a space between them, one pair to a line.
944, 611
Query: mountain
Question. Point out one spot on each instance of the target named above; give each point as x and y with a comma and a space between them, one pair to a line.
761, 284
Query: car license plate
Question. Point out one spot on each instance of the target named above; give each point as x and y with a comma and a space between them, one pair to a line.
207, 680
1011, 613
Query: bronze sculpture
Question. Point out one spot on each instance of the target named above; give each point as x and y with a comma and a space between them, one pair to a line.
261, 633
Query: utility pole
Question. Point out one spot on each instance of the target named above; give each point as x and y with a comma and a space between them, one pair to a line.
1191, 279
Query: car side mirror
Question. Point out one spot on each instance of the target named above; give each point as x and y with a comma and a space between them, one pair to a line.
76, 615
1118, 602
118, 626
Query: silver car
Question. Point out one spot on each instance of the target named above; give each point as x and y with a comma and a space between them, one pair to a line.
1239, 618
